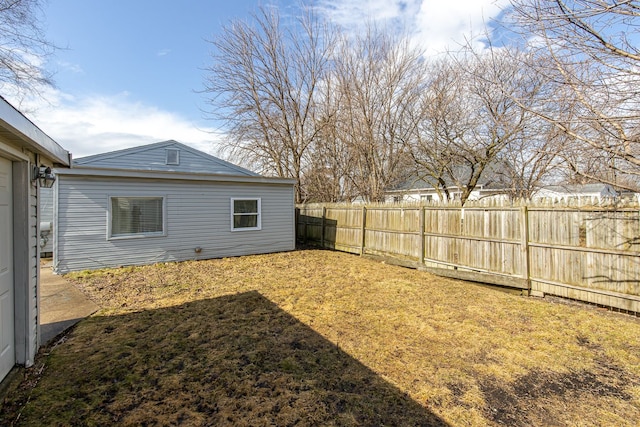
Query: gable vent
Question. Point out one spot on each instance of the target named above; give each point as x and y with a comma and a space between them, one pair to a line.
173, 156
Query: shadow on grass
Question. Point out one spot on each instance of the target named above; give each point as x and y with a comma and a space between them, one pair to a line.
234, 360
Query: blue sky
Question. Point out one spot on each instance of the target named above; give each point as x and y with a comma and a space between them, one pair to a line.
153, 51
129, 71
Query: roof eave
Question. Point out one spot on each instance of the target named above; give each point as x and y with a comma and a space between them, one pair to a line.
29, 134
188, 176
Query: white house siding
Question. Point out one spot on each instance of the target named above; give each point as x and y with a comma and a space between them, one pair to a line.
427, 195
198, 215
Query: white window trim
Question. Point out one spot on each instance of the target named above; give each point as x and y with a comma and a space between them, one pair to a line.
259, 227
163, 233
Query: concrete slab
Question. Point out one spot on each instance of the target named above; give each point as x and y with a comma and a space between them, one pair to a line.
62, 305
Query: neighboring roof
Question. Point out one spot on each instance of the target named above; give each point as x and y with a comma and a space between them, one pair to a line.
597, 188
413, 183
490, 179
16, 127
152, 157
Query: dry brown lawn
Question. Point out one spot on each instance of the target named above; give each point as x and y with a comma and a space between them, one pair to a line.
324, 338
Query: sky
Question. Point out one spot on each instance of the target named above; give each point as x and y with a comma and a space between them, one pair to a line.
130, 73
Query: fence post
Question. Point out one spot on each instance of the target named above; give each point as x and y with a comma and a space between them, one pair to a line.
422, 211
324, 212
363, 229
305, 230
296, 225
524, 246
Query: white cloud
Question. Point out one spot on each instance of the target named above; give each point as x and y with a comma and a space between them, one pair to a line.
441, 25
68, 66
353, 13
96, 124
435, 25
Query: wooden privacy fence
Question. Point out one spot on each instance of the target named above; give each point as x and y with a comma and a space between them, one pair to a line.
590, 254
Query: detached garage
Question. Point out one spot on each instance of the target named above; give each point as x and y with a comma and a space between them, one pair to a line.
26, 157
166, 202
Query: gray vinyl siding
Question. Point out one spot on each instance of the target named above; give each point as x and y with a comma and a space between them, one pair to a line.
26, 264
33, 321
197, 215
26, 146
153, 157
46, 216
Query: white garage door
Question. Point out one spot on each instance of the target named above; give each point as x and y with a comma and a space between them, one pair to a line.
7, 351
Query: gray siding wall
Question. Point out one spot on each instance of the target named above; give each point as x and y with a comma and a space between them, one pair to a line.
198, 215
155, 159
26, 146
34, 276
26, 264
46, 217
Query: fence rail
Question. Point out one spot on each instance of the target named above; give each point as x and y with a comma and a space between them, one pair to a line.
590, 254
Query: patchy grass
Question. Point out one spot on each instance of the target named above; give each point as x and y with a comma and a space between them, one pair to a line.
324, 338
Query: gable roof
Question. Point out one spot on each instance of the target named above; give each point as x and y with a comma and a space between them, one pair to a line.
581, 189
152, 157
491, 178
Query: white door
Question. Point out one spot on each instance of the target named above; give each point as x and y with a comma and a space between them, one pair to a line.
7, 339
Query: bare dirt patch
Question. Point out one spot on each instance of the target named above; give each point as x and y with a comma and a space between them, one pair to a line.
324, 338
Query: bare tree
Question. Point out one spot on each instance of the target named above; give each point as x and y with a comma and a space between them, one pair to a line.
595, 58
471, 114
535, 155
23, 47
530, 160
327, 178
263, 82
380, 78
442, 119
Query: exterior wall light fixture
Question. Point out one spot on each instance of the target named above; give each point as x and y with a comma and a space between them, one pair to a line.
44, 175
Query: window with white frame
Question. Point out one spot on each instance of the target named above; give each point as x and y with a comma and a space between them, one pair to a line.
136, 216
245, 214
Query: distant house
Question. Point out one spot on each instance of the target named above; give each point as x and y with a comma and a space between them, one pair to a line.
166, 202
416, 189
580, 192
25, 154
630, 195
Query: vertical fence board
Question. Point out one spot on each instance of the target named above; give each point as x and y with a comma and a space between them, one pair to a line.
586, 253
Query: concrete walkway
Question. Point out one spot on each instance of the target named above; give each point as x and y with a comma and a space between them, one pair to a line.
62, 305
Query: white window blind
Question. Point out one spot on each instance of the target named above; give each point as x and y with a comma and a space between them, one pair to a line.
136, 215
